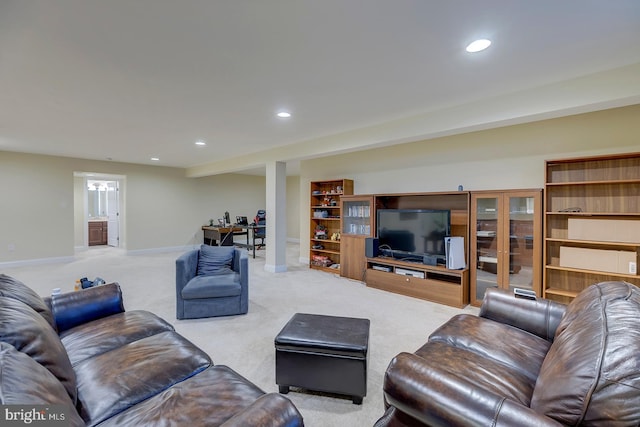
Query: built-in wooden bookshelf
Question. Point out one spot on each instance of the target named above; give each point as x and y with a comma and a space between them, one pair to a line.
325, 220
605, 189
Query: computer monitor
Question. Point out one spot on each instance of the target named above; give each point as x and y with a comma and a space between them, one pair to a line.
242, 220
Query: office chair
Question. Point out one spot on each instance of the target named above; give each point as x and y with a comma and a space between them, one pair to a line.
260, 233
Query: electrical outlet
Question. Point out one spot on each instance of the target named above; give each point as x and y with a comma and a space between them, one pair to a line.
11, 247
633, 268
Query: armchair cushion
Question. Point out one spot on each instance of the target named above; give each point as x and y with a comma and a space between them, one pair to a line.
222, 284
212, 259
591, 374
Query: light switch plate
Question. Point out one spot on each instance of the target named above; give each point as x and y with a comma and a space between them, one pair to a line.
633, 268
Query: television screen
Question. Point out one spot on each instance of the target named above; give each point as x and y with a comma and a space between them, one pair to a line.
416, 232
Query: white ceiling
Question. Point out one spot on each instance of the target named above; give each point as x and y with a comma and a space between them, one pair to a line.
127, 80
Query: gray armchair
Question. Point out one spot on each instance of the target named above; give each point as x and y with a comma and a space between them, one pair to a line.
212, 281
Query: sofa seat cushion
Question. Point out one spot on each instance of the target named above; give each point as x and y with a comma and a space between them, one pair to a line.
521, 351
591, 375
211, 259
97, 337
480, 370
13, 288
223, 284
211, 397
25, 381
30, 333
112, 382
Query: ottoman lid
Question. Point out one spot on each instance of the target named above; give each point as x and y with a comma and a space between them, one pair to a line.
346, 336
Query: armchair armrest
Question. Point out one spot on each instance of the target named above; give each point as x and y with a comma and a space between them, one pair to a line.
539, 317
241, 266
269, 410
75, 308
186, 267
438, 398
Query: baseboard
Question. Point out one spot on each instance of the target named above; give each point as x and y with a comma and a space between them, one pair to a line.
162, 250
38, 261
275, 268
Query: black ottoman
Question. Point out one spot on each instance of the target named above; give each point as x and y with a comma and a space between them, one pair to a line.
323, 353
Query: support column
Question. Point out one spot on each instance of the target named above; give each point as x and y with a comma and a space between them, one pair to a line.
276, 206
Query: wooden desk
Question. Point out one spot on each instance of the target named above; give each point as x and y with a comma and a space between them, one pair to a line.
251, 230
222, 236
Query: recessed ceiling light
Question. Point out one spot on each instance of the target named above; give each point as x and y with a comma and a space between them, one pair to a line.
201, 143
155, 159
284, 114
478, 45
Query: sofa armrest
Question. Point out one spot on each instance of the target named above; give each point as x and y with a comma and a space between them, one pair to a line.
421, 390
539, 317
269, 410
75, 308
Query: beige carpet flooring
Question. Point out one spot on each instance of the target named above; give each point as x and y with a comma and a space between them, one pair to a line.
245, 343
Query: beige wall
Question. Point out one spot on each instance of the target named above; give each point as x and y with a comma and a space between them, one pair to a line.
165, 209
162, 208
503, 158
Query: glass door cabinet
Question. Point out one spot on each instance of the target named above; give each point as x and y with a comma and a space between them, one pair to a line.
357, 225
506, 241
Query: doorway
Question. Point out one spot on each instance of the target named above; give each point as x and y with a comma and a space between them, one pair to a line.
99, 210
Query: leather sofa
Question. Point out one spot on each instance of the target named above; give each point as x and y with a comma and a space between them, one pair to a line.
81, 351
525, 363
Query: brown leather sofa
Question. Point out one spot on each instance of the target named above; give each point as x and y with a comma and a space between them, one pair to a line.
525, 363
81, 351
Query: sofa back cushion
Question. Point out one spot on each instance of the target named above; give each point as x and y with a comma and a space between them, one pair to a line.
13, 288
29, 333
591, 374
25, 382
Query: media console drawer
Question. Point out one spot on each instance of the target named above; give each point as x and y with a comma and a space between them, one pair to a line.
443, 292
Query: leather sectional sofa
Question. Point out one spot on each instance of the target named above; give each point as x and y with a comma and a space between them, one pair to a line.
525, 363
81, 351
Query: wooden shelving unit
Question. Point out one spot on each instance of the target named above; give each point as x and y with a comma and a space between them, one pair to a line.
603, 188
357, 224
325, 220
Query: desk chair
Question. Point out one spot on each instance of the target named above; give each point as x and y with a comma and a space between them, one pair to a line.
260, 233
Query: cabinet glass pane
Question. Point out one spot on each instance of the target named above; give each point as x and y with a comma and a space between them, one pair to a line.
356, 218
487, 245
521, 217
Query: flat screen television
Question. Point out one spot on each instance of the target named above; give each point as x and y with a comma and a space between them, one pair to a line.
413, 233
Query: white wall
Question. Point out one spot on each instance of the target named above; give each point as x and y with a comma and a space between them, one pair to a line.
293, 208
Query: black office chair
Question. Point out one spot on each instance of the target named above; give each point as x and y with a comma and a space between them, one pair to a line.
260, 233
